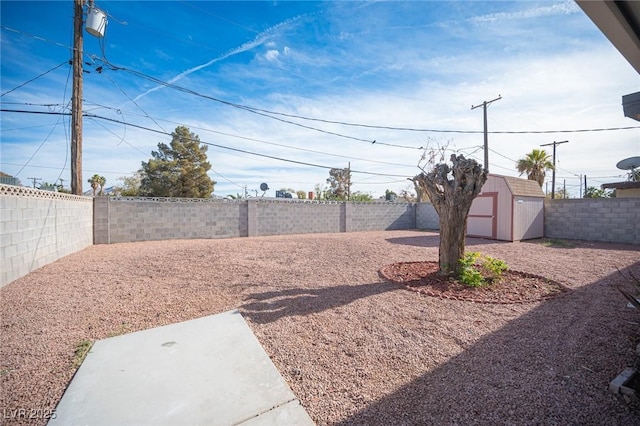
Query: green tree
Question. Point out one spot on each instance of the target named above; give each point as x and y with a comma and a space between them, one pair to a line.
593, 192
102, 181
361, 197
561, 194
301, 195
452, 196
179, 169
130, 186
339, 184
535, 164
319, 192
96, 182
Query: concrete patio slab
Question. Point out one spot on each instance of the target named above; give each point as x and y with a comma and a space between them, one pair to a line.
207, 371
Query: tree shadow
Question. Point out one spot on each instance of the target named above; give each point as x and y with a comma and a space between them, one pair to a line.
565, 243
552, 365
270, 306
434, 241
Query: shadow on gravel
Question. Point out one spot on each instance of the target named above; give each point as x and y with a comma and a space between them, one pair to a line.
552, 365
563, 243
270, 306
434, 241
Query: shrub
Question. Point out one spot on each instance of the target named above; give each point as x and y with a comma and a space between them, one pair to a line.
479, 270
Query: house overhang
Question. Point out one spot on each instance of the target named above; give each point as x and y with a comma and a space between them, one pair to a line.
619, 21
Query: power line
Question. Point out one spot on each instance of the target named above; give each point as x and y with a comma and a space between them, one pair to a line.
34, 78
263, 141
270, 114
304, 163
87, 115
36, 37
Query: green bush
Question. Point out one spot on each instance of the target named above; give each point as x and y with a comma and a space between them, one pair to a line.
479, 270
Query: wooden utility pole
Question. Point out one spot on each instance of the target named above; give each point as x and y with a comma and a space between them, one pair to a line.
76, 101
486, 133
34, 179
349, 182
553, 172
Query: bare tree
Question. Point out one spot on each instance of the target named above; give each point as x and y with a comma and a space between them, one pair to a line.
421, 194
452, 198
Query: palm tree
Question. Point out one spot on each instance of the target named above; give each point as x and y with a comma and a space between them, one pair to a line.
102, 182
535, 164
95, 183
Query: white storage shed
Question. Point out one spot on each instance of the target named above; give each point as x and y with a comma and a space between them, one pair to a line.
507, 209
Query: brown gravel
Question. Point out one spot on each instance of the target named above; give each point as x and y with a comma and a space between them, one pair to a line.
354, 348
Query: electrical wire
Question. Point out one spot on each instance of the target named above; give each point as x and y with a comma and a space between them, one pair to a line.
134, 102
61, 117
304, 163
35, 78
36, 37
270, 114
155, 120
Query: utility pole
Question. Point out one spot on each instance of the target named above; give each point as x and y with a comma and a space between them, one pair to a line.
581, 186
486, 134
76, 101
349, 181
34, 179
553, 172
585, 185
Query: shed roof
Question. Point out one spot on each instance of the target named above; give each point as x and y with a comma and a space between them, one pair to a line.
523, 187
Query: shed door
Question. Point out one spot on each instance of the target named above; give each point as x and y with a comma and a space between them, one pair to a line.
483, 218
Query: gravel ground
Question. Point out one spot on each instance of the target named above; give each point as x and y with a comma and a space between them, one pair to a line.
354, 348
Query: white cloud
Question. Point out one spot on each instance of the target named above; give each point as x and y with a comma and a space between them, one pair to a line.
564, 8
272, 55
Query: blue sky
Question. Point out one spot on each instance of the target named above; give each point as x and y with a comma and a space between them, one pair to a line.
418, 65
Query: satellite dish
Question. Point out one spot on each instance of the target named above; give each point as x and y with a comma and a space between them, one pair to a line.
629, 163
264, 187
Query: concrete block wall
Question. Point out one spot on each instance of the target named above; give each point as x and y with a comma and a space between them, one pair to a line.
427, 217
296, 217
595, 219
379, 216
121, 220
39, 227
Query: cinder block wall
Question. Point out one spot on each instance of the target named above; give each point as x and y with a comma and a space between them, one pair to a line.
140, 219
597, 219
427, 217
39, 227
121, 220
274, 217
379, 216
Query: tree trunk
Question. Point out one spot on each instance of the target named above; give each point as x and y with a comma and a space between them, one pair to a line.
452, 200
453, 228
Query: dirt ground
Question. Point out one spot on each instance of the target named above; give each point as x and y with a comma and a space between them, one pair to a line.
354, 348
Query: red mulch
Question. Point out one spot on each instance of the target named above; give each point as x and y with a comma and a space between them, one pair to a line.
513, 287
